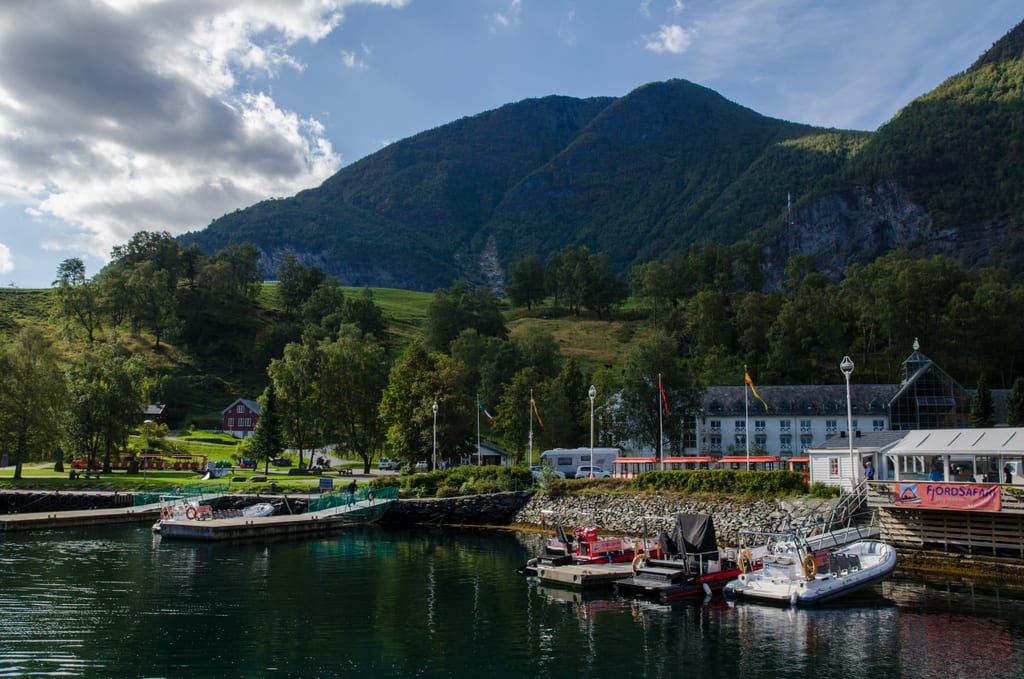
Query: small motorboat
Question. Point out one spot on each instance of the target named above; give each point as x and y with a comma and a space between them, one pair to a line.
691, 565
586, 547
258, 509
794, 574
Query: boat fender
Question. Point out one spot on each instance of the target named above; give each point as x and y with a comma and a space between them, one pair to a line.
707, 590
191, 513
638, 561
746, 561
810, 566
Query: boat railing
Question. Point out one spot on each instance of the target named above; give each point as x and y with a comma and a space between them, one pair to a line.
190, 491
340, 498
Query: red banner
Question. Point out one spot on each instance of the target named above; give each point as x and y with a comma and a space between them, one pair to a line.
977, 496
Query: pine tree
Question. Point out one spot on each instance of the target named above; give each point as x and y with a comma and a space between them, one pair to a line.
267, 438
982, 410
1015, 404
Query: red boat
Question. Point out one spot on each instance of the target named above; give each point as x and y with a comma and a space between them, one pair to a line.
585, 546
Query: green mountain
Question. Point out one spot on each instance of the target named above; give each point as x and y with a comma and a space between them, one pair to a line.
651, 173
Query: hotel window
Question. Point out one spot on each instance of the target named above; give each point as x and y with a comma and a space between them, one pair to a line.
786, 442
759, 425
716, 426
741, 441
833, 466
761, 440
831, 427
740, 427
806, 441
716, 443
855, 425
784, 425
805, 425
877, 425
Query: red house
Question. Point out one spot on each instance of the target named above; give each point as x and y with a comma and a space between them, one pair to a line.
239, 419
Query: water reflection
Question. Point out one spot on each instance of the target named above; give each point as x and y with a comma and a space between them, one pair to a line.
446, 603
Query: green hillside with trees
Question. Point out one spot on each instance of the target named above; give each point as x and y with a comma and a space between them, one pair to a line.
667, 167
361, 369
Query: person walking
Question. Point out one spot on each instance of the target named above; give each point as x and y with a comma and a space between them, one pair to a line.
352, 493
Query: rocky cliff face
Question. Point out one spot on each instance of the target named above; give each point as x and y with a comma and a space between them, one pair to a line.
856, 226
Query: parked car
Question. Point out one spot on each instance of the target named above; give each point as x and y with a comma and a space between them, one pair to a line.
588, 472
384, 463
542, 472
421, 466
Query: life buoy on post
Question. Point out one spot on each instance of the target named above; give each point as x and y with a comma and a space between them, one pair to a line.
191, 513
810, 566
746, 561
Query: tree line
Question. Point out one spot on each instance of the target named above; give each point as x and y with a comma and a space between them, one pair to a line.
333, 377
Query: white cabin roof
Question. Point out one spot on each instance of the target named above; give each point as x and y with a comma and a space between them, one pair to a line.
996, 441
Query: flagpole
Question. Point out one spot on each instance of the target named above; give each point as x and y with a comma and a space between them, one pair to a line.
661, 427
479, 462
529, 408
746, 413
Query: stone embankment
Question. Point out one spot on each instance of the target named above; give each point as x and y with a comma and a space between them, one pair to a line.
634, 514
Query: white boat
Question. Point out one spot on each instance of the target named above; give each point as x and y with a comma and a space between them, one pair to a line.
794, 574
177, 509
258, 509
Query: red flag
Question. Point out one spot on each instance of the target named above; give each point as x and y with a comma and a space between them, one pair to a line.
536, 412
664, 398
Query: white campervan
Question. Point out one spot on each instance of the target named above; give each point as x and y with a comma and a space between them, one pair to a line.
567, 460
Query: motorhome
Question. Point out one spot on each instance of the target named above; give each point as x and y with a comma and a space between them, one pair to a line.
566, 460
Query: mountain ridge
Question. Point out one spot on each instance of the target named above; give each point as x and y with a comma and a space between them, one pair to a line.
665, 167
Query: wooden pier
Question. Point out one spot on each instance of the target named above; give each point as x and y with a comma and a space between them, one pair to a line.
74, 518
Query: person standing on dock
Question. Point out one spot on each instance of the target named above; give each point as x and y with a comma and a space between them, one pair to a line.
352, 493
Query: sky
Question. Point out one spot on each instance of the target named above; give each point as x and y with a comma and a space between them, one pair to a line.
118, 116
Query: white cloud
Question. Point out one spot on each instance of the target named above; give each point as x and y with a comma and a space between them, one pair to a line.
6, 260
509, 18
352, 59
671, 38
147, 114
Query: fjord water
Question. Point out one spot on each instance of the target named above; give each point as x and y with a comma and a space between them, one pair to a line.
121, 602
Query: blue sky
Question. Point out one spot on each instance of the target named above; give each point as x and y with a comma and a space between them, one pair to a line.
123, 115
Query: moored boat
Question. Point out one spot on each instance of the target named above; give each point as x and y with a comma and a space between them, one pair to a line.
691, 564
585, 547
794, 574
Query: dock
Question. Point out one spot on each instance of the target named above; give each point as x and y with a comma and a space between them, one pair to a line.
74, 518
584, 577
287, 525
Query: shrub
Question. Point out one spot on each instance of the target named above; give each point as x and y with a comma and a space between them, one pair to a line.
723, 482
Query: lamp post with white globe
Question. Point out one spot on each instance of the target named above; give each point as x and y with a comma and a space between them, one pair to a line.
847, 367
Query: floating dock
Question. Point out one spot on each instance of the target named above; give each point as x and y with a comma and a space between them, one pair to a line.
78, 517
591, 575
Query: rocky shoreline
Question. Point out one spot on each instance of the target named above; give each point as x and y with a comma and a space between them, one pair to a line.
633, 514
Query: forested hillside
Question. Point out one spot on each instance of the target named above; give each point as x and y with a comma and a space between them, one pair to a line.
666, 167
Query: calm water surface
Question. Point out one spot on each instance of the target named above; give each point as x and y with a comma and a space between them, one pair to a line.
120, 602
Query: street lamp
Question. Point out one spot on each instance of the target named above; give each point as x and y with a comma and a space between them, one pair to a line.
434, 408
145, 459
847, 367
592, 394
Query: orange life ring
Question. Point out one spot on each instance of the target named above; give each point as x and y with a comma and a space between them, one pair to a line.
810, 566
746, 561
191, 513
